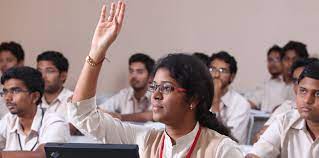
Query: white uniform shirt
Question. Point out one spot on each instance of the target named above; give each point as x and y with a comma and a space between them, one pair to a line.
271, 94
105, 129
287, 137
59, 104
3, 108
283, 108
52, 128
124, 102
235, 114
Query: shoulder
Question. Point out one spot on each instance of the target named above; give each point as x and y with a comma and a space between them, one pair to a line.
123, 92
223, 145
9, 120
233, 98
286, 120
67, 91
52, 117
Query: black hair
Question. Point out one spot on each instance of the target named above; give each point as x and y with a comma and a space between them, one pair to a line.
31, 77
143, 58
301, 63
202, 57
298, 47
275, 48
193, 75
57, 58
226, 57
311, 71
14, 48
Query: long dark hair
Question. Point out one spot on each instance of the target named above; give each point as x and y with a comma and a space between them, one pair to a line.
194, 76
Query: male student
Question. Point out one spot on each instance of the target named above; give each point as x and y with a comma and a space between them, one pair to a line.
27, 126
292, 51
296, 69
133, 103
232, 108
295, 134
54, 69
11, 55
273, 92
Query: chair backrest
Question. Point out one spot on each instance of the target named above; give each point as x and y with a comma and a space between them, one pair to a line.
256, 122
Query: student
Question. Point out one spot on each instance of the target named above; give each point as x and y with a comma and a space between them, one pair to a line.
232, 108
54, 69
11, 55
178, 99
133, 103
292, 51
296, 69
273, 91
295, 134
27, 126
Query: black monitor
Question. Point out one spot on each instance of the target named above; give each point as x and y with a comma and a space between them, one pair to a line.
85, 150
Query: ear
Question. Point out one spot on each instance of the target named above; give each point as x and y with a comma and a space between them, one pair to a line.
63, 76
35, 96
193, 103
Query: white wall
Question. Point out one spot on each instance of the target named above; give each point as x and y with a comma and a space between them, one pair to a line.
244, 28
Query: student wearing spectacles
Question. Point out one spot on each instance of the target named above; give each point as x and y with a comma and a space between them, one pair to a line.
182, 92
231, 108
27, 127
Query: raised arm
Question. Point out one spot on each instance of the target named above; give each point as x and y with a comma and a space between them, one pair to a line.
106, 31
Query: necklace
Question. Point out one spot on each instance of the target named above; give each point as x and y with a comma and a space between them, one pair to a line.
189, 153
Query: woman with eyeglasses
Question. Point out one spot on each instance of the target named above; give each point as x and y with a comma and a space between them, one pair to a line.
182, 93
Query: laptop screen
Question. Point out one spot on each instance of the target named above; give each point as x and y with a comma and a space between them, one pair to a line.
86, 150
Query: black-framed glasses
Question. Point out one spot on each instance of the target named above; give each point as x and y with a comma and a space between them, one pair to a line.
14, 90
219, 70
164, 88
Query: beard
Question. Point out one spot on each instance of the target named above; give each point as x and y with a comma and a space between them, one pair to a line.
52, 89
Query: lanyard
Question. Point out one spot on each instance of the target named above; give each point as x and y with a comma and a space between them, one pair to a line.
37, 136
190, 150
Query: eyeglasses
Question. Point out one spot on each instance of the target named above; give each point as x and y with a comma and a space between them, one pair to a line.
219, 70
164, 88
14, 90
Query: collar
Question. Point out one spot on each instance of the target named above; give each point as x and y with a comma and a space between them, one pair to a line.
146, 96
62, 97
36, 123
299, 124
184, 140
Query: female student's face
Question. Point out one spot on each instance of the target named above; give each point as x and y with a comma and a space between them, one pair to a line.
168, 108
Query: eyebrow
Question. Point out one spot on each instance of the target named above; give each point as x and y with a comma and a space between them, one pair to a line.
165, 82
311, 89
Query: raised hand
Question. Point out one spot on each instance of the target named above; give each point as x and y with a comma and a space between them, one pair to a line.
107, 30
105, 33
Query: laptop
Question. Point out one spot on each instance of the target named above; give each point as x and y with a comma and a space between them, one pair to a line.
87, 150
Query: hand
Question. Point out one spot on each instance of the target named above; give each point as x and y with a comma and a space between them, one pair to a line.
107, 30
217, 95
218, 83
